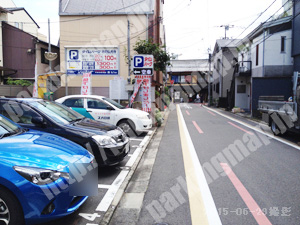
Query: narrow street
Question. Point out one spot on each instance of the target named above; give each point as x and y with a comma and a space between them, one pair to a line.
251, 177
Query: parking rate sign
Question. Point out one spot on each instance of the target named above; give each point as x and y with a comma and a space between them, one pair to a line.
143, 64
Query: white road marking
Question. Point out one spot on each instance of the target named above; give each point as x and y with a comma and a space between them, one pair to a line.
110, 194
104, 186
210, 207
256, 129
135, 139
114, 187
129, 155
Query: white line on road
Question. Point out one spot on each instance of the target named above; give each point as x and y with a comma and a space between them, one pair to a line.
110, 194
104, 186
256, 129
135, 139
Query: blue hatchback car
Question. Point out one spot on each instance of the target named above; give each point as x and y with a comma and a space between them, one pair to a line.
34, 173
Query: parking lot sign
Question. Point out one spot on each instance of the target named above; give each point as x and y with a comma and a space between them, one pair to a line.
143, 65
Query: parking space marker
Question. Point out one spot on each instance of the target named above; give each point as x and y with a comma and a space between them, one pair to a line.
135, 139
248, 132
253, 207
104, 186
110, 194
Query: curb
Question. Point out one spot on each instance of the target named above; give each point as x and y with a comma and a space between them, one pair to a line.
109, 213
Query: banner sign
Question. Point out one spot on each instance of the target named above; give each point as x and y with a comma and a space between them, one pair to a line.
137, 86
96, 60
146, 93
86, 84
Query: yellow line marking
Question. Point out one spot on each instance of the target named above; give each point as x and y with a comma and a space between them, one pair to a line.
197, 207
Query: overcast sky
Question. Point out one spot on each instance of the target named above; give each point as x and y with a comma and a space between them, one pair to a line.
192, 26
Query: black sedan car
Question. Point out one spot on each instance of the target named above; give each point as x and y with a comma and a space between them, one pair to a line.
108, 143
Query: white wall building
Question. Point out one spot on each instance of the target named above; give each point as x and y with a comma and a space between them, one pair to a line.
264, 56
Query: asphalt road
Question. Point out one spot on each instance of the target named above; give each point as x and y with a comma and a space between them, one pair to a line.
93, 210
253, 177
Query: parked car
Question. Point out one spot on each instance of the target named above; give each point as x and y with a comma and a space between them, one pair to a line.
108, 143
132, 121
31, 164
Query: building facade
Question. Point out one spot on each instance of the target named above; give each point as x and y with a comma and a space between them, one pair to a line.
223, 60
296, 35
265, 64
101, 24
187, 78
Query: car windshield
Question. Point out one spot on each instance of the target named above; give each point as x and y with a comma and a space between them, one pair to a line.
7, 128
57, 112
114, 103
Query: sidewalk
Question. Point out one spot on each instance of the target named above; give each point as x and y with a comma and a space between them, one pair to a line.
122, 210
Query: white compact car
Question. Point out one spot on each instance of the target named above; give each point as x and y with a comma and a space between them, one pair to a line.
132, 121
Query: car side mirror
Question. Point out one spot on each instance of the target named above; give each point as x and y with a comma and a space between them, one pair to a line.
38, 120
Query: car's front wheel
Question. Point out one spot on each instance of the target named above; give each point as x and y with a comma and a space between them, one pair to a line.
10, 210
128, 127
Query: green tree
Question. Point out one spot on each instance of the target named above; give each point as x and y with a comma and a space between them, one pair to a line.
161, 57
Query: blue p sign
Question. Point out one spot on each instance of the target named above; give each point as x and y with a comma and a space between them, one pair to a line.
138, 61
73, 54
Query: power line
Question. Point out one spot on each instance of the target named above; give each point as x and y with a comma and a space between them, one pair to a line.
71, 20
255, 21
278, 28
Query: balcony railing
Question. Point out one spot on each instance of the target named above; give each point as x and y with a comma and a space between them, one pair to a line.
244, 68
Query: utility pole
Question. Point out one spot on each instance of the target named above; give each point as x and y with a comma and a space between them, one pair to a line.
209, 86
129, 60
49, 45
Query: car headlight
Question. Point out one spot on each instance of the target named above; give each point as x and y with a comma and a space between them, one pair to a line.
104, 140
40, 176
142, 116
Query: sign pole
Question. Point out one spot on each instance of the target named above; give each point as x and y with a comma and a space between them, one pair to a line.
66, 78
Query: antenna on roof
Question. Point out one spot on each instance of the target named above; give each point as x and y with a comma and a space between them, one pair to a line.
227, 27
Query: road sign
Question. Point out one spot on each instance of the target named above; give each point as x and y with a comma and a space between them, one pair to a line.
143, 64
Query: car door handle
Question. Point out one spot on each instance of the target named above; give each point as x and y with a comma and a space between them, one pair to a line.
89, 111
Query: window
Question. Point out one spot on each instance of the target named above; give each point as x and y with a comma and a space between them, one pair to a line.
283, 43
96, 104
188, 79
257, 54
218, 65
43, 58
19, 113
241, 89
218, 88
74, 102
16, 24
